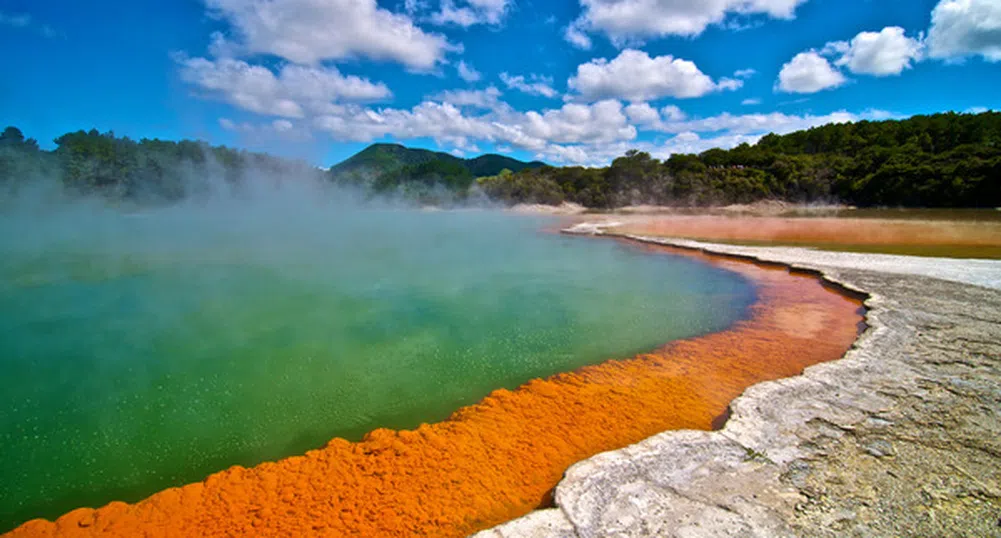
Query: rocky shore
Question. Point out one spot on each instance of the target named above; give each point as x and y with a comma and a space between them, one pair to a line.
902, 437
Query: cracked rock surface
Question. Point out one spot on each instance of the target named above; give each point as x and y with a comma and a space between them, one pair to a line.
901, 437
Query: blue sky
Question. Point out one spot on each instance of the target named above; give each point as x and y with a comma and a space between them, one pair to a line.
569, 82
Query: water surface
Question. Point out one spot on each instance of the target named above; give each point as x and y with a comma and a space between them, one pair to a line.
148, 349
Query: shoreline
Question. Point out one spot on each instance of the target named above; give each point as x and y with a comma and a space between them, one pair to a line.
902, 436
515, 444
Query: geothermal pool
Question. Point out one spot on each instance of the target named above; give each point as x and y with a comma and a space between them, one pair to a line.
147, 349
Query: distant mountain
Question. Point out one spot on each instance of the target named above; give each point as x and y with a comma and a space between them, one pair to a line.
383, 166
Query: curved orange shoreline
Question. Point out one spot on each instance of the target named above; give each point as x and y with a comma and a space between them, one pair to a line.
498, 459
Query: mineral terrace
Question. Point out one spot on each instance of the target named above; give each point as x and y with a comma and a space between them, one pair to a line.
902, 437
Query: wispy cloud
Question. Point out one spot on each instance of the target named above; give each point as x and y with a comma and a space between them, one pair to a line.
20, 20
26, 22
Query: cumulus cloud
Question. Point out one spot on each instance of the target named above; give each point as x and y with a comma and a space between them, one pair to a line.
536, 85
809, 72
883, 53
292, 93
634, 76
650, 119
309, 31
593, 125
721, 131
467, 73
601, 122
625, 21
443, 122
470, 12
775, 122
700, 134
673, 113
575, 133
961, 28
642, 114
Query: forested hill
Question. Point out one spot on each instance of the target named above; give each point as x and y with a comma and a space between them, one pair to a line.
385, 167
942, 160
145, 171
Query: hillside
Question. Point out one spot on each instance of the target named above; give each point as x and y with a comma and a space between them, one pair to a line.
941, 160
144, 171
383, 166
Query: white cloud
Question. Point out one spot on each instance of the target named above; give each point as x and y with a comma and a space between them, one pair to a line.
690, 142
576, 36
635, 76
883, 53
443, 122
228, 124
471, 12
19, 20
775, 122
413, 7
575, 133
809, 72
277, 129
673, 113
309, 31
698, 135
625, 21
488, 99
961, 28
601, 122
24, 21
537, 85
467, 73
294, 91
642, 114
753, 101
594, 125
729, 84
648, 118
744, 73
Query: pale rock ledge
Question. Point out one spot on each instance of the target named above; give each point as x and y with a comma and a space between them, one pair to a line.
901, 437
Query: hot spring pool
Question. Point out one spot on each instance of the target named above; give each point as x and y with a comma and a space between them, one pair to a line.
147, 350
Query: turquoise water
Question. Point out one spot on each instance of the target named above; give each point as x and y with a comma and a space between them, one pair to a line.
147, 350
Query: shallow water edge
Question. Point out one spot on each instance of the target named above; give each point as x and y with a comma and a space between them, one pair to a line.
500, 458
894, 439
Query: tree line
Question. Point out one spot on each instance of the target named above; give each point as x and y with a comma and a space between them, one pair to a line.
149, 171
941, 160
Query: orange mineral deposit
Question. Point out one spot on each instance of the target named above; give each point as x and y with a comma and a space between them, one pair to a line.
498, 459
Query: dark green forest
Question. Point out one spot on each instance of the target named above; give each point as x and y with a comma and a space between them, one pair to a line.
419, 173
942, 160
145, 171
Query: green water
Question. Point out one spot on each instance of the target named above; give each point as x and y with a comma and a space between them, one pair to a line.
142, 351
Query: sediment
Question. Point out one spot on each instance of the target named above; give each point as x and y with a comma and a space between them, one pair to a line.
901, 437
501, 458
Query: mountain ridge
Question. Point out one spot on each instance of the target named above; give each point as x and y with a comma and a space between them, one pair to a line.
380, 159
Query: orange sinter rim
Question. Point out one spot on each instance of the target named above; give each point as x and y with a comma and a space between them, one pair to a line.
499, 459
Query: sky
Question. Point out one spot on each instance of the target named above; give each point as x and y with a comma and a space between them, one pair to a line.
568, 82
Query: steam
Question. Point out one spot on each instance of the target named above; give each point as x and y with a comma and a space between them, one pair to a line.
147, 344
